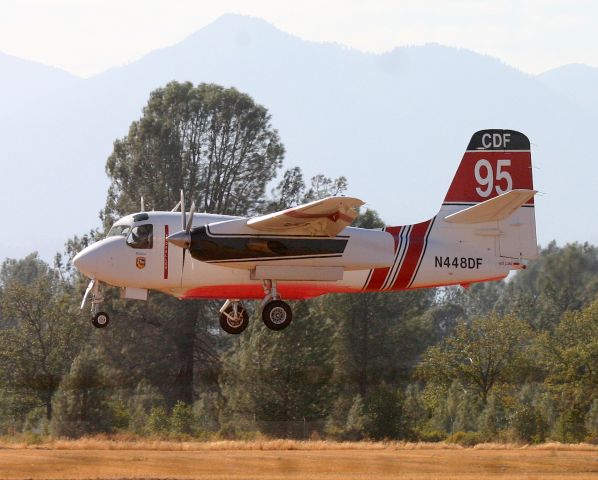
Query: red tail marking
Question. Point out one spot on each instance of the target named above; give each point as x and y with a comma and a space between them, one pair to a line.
379, 275
465, 187
414, 251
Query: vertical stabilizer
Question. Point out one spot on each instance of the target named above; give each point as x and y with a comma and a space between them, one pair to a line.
497, 162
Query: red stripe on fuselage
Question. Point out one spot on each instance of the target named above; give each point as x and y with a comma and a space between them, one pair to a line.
379, 275
165, 252
414, 250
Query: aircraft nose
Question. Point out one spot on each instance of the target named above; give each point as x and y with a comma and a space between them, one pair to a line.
86, 261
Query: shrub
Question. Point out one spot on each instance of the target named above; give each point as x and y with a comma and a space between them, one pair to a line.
466, 439
430, 435
182, 419
157, 421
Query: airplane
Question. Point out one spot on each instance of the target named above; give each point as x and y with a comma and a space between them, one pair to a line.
484, 229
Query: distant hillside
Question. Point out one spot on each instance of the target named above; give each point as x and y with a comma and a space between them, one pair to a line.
22, 82
395, 124
577, 82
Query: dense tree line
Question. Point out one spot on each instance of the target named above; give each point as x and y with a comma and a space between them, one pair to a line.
503, 361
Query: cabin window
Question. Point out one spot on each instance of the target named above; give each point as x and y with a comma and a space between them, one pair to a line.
119, 231
141, 236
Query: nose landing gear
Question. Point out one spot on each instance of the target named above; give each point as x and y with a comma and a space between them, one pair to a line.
99, 319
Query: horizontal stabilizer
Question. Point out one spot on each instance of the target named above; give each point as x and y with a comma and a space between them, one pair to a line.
492, 210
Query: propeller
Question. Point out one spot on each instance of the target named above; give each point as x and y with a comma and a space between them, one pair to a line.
182, 239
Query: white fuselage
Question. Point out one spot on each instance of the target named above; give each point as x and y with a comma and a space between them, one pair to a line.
432, 253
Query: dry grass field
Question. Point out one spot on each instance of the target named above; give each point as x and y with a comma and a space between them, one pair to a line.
112, 459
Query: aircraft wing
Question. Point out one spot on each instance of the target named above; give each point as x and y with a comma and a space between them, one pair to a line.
322, 217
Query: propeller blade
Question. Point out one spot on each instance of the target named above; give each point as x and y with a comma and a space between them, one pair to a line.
183, 213
87, 290
190, 222
176, 207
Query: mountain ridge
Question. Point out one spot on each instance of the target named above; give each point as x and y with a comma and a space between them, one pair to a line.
406, 114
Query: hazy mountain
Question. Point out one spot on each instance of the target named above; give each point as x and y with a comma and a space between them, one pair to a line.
395, 124
577, 82
22, 82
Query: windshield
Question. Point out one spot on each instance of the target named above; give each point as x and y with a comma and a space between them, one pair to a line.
141, 236
119, 230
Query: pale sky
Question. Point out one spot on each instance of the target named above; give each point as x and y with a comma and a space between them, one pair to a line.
86, 37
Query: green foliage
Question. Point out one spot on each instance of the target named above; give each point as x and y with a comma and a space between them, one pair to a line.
493, 418
81, 404
466, 439
141, 402
562, 279
158, 421
207, 410
570, 353
216, 143
292, 190
279, 380
383, 407
480, 355
182, 419
591, 422
357, 420
413, 414
527, 420
506, 361
41, 331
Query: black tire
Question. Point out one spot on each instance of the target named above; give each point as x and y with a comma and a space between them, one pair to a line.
277, 315
100, 320
229, 326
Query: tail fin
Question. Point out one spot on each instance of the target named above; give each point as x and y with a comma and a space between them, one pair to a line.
497, 162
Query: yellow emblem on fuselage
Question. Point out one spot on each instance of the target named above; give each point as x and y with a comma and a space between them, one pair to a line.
140, 263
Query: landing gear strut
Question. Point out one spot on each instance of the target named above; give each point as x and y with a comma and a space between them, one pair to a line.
233, 317
276, 314
99, 319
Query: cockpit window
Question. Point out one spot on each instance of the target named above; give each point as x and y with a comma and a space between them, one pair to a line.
141, 236
119, 231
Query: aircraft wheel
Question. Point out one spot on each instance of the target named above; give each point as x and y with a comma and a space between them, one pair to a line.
277, 315
234, 319
100, 320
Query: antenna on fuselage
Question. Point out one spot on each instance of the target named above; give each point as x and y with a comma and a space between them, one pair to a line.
142, 205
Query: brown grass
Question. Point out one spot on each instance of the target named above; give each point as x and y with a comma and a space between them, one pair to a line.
120, 458
117, 442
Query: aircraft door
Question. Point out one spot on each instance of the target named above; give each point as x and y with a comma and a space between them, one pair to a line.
155, 262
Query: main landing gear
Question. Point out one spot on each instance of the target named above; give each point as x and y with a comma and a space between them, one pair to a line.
276, 314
